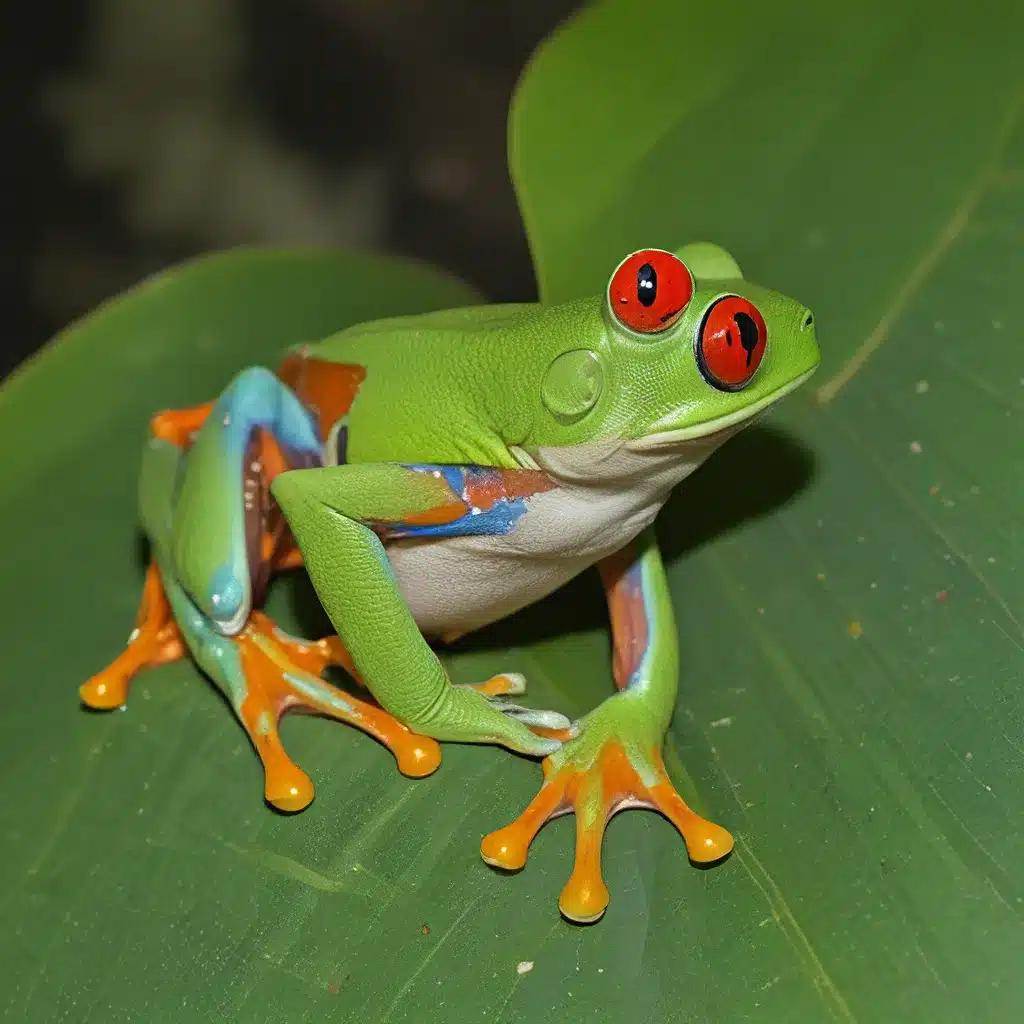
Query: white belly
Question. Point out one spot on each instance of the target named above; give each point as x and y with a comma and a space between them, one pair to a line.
605, 498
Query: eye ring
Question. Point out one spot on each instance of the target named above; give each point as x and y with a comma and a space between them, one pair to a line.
649, 291
730, 343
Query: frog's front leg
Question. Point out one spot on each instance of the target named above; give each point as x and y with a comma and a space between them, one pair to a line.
336, 514
615, 761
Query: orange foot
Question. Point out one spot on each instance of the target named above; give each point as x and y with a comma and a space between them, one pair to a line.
282, 674
154, 641
265, 674
596, 775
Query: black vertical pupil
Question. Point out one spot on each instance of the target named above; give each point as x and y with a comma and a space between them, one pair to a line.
646, 285
749, 334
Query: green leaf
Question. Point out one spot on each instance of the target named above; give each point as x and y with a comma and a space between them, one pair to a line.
868, 159
144, 878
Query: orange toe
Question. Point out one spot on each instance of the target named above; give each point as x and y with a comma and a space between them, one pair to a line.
417, 756
106, 690
584, 898
507, 848
705, 841
288, 788
154, 641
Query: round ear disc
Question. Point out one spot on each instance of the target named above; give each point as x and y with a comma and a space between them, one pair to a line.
572, 385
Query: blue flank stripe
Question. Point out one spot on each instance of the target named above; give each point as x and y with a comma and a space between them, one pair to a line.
498, 520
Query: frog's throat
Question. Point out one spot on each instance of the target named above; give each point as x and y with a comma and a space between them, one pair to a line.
664, 434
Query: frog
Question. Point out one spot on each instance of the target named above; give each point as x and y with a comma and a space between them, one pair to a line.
435, 473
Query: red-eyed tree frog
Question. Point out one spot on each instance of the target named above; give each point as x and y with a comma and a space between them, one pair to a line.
435, 473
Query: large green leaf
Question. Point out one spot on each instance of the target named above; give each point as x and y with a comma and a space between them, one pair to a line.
865, 160
868, 159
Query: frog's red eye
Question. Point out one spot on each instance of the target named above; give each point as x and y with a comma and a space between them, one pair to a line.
731, 343
649, 290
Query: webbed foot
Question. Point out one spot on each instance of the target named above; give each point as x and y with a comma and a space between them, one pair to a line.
282, 674
613, 763
265, 673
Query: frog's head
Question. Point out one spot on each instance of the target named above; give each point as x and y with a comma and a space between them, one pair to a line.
688, 350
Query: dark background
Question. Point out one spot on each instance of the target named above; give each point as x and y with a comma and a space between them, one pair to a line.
140, 134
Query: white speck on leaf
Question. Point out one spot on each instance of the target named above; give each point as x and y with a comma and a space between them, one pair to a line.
719, 723
921, 387
915, 447
524, 967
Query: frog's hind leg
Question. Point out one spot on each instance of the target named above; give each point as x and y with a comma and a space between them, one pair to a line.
217, 540
156, 639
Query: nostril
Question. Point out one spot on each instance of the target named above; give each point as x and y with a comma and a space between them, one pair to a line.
808, 321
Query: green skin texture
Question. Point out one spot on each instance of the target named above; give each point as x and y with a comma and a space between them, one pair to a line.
487, 386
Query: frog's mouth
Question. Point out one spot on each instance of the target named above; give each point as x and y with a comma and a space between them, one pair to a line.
664, 434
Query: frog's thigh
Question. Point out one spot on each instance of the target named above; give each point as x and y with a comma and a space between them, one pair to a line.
211, 544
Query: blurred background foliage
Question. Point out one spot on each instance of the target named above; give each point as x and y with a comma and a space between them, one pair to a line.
145, 133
